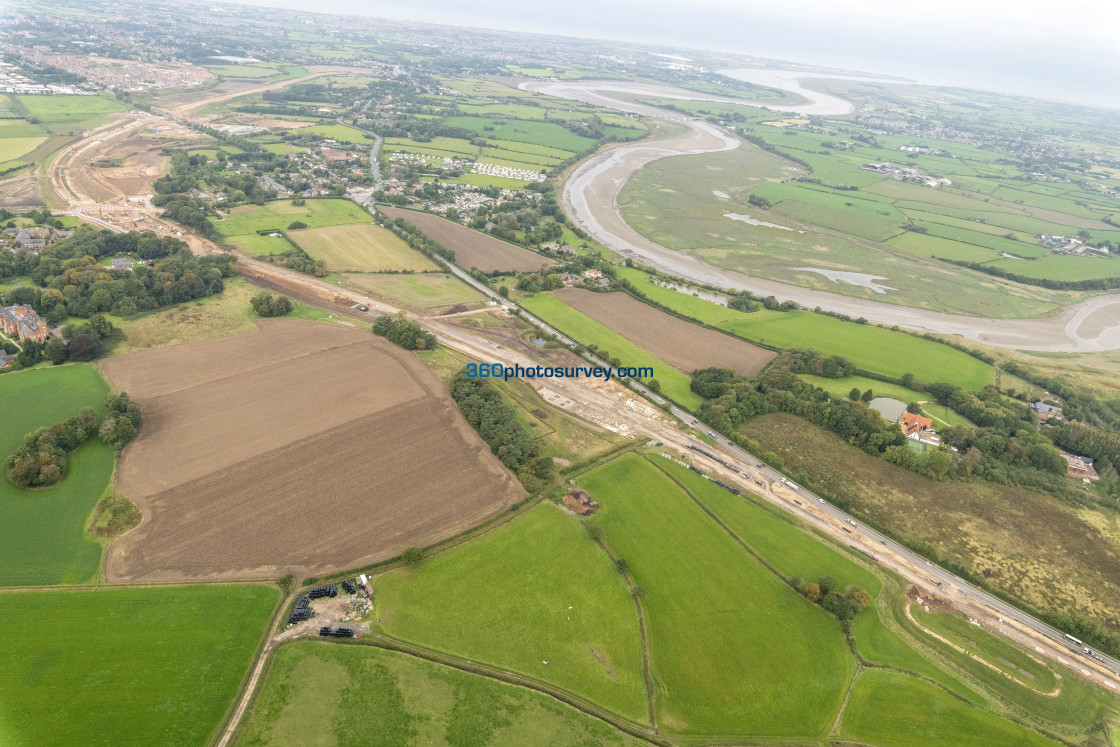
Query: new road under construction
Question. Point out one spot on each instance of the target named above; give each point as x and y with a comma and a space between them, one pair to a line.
630, 409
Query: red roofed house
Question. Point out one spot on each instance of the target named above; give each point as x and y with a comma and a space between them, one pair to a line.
914, 424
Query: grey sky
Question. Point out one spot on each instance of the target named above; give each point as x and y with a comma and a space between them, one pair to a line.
1062, 50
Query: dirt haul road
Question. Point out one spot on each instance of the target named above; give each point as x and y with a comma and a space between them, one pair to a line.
591, 199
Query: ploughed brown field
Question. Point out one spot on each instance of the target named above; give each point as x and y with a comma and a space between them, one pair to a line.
675, 341
301, 448
472, 248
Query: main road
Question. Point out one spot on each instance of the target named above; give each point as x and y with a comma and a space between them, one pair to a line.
591, 194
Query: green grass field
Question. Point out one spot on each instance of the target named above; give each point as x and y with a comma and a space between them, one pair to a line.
255, 244
524, 131
361, 248
61, 114
774, 535
842, 387
417, 291
586, 331
893, 710
126, 666
278, 214
41, 531
871, 348
342, 133
732, 648
557, 597
12, 148
345, 695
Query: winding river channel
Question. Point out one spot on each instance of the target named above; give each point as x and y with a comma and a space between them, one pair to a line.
591, 199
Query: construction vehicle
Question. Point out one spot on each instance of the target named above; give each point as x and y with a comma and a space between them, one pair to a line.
343, 299
259, 275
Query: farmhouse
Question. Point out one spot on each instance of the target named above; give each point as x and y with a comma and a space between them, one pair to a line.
23, 323
1080, 467
918, 428
30, 239
120, 263
593, 274
1045, 411
568, 278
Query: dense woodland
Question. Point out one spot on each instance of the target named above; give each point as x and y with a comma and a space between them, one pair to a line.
72, 281
496, 422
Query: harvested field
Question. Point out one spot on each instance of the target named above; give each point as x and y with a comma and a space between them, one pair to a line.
361, 248
472, 248
675, 341
301, 449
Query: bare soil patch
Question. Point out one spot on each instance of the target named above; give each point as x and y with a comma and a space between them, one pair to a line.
675, 341
472, 248
580, 502
301, 448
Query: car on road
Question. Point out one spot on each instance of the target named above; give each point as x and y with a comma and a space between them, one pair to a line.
929, 564
821, 500
758, 466
783, 480
882, 542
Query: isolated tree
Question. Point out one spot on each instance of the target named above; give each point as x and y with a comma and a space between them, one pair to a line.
56, 351
84, 348
868, 396
828, 584
914, 408
412, 556
503, 291
854, 394
654, 385
812, 592
860, 596
296, 225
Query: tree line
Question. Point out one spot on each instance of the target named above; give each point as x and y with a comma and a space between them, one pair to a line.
41, 460
495, 421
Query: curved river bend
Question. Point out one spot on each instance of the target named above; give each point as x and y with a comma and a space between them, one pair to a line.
591, 199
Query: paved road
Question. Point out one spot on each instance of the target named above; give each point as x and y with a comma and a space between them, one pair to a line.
374, 166
590, 198
1105, 668
812, 508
